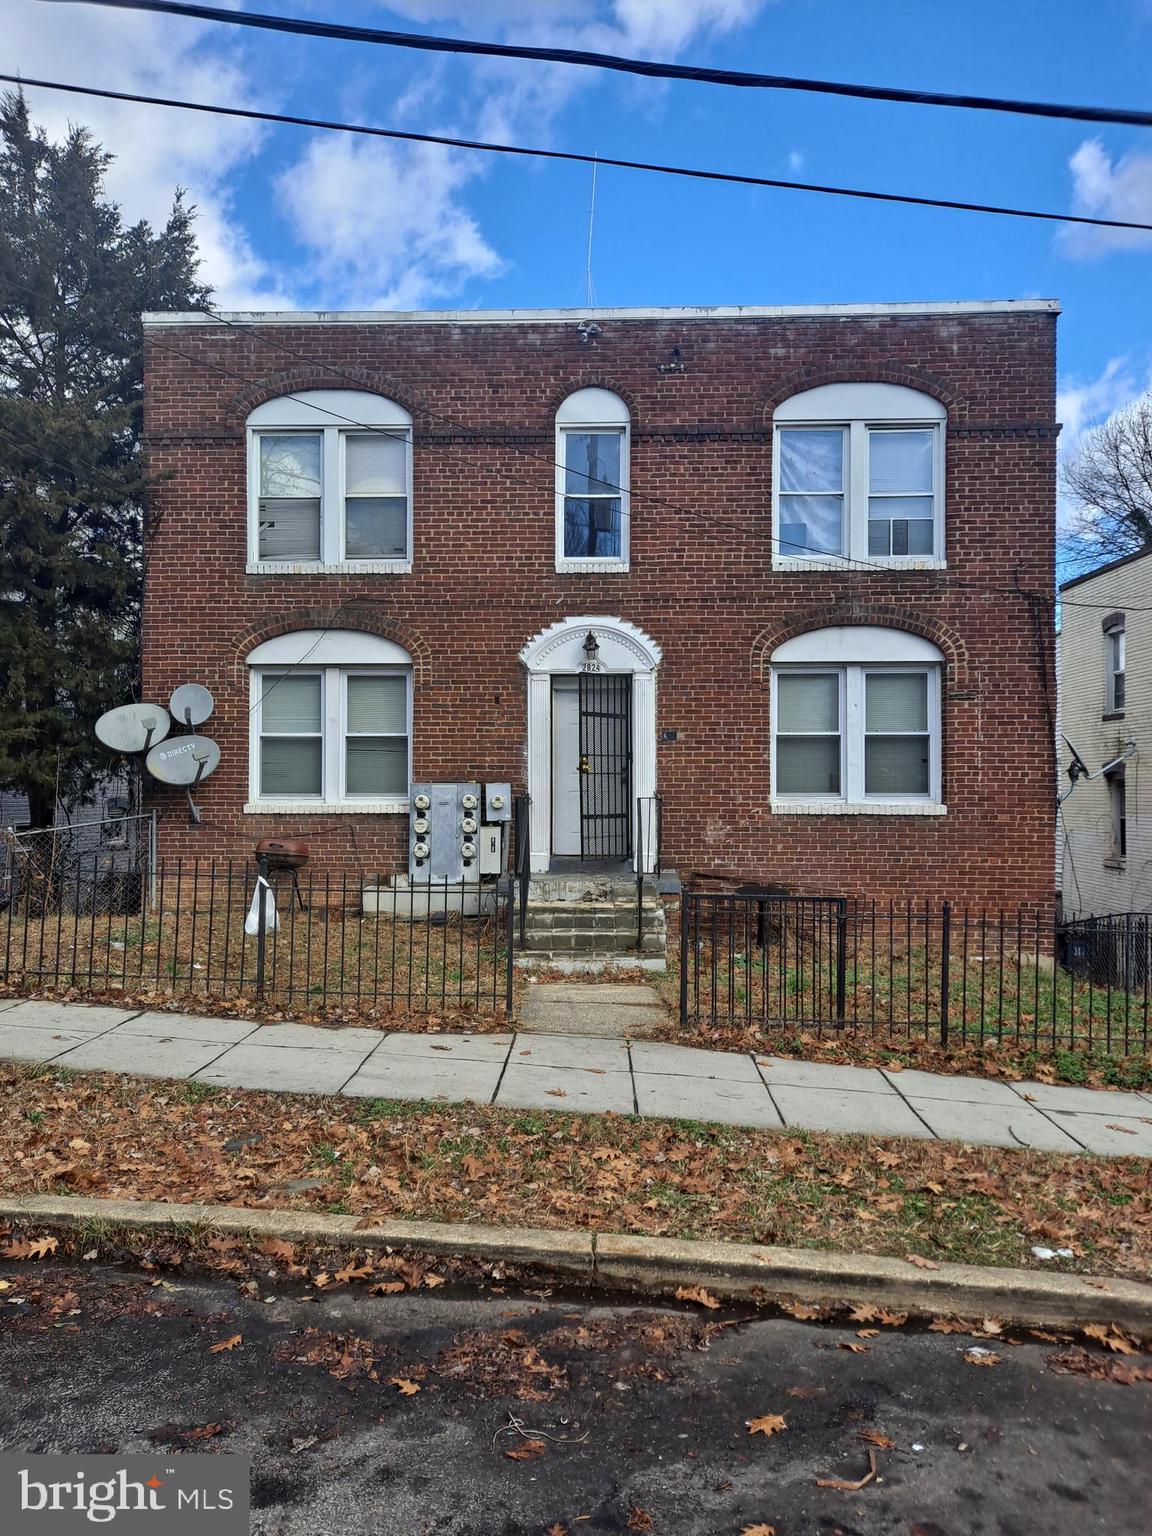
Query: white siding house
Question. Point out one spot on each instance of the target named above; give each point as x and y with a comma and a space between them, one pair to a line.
1105, 831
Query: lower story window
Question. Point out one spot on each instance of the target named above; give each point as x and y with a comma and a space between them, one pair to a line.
856, 733
1118, 814
331, 734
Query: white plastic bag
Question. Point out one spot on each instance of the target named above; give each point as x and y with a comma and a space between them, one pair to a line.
265, 893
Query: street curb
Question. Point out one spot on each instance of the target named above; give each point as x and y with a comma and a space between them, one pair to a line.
735, 1271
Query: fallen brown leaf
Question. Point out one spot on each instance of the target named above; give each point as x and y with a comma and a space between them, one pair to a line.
527, 1450
984, 1357
867, 1333
30, 1248
802, 1311
639, 1519
406, 1388
843, 1485
387, 1288
758, 1530
698, 1294
804, 1391
1127, 1129
768, 1424
856, 1349
877, 1438
921, 1262
225, 1344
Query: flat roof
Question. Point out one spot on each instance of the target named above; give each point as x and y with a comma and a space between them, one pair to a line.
1102, 570
576, 316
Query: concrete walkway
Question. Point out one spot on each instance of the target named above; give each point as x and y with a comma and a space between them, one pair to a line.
588, 1074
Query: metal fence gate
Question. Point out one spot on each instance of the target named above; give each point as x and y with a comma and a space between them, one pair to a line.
605, 765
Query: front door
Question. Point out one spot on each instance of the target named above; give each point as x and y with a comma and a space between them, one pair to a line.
592, 766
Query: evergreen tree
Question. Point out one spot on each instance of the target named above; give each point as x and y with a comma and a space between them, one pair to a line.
73, 481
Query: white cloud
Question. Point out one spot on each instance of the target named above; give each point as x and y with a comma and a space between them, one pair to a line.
155, 149
1085, 403
1081, 403
390, 223
1108, 189
380, 224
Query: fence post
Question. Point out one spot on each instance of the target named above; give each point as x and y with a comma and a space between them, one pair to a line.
153, 848
261, 920
639, 874
945, 965
841, 957
509, 939
684, 926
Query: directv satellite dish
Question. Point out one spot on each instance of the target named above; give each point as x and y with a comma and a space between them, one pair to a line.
133, 727
191, 704
184, 760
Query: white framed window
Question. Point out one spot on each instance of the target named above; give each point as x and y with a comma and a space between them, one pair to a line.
592, 474
1115, 656
1117, 815
858, 475
330, 723
330, 484
856, 722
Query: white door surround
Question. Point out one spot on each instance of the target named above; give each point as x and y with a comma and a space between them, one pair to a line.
559, 649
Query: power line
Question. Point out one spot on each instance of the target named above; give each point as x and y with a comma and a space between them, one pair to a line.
691, 173
653, 69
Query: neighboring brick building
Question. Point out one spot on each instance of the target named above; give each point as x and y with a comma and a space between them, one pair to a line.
428, 582
1105, 836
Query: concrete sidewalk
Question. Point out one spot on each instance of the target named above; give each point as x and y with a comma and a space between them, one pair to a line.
586, 1074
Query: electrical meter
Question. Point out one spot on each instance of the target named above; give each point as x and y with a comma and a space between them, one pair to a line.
443, 831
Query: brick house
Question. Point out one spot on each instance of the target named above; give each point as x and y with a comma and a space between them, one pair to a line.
800, 557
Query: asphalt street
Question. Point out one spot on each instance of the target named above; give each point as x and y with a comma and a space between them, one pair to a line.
621, 1418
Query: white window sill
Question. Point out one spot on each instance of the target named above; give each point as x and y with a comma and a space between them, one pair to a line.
592, 567
337, 567
869, 562
858, 808
394, 807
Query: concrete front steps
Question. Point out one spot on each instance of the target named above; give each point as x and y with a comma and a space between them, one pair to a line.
589, 923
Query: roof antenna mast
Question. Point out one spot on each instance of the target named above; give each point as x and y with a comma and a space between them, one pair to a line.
589, 288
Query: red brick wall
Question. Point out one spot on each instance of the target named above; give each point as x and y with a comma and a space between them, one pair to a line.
701, 585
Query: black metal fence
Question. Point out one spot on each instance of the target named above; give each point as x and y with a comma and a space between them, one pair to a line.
939, 973
323, 939
1113, 950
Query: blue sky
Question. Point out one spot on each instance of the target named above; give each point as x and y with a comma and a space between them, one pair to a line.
290, 218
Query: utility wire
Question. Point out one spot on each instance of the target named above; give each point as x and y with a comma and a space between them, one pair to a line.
654, 69
692, 173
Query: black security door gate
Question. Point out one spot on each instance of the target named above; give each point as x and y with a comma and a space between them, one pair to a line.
605, 765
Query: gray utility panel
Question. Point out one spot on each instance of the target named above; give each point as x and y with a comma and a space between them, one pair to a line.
444, 835
497, 802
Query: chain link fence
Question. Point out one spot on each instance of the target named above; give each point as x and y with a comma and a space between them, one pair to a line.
103, 865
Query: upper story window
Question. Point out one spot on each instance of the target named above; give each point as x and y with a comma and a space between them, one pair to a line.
592, 513
858, 474
1114, 659
856, 721
329, 483
330, 723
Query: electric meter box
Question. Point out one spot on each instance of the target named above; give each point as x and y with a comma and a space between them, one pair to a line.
443, 832
497, 802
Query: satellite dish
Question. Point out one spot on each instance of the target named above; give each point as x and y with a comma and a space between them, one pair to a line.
184, 760
133, 727
191, 704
